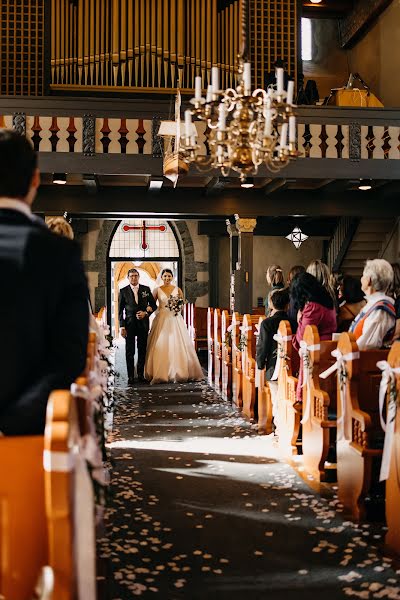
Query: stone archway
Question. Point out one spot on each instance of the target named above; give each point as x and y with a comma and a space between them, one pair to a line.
192, 288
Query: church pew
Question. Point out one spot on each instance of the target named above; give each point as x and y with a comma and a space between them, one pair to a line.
200, 327
237, 383
289, 411
392, 538
69, 503
226, 361
47, 509
217, 350
319, 407
249, 364
210, 345
359, 433
264, 400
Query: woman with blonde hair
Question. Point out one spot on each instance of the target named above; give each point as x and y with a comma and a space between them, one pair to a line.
322, 273
60, 226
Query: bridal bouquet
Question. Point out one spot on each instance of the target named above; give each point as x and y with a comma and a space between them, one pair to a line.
175, 304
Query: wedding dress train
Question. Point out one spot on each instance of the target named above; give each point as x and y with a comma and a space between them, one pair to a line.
170, 352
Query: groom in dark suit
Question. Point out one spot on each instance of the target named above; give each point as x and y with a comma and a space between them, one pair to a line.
43, 301
135, 305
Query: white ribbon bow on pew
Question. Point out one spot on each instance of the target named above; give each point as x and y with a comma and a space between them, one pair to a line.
304, 352
343, 430
279, 338
388, 377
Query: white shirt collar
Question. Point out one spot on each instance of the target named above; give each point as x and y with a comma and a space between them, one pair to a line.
375, 297
134, 287
15, 204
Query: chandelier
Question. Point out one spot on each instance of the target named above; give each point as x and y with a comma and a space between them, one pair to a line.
245, 128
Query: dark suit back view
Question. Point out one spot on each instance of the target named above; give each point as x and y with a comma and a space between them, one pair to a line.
43, 319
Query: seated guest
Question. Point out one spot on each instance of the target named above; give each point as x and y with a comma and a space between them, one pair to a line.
315, 307
43, 307
321, 272
292, 312
395, 293
353, 302
374, 326
276, 280
60, 226
266, 352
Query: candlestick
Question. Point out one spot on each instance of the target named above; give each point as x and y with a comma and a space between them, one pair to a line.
215, 80
290, 92
197, 82
292, 130
284, 132
268, 122
247, 78
188, 124
222, 118
209, 93
279, 81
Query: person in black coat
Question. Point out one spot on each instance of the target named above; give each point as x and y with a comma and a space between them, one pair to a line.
266, 352
135, 305
267, 347
43, 300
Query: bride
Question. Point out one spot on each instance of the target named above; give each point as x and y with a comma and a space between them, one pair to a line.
170, 353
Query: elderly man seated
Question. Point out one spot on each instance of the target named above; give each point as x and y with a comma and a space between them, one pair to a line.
374, 325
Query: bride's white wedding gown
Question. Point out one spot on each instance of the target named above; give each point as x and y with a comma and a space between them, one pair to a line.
170, 353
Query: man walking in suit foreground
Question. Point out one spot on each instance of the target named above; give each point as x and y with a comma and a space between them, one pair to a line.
135, 305
43, 300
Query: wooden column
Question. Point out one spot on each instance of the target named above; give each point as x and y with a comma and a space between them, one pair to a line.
243, 283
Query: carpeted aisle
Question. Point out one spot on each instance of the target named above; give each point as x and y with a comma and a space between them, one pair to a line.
202, 507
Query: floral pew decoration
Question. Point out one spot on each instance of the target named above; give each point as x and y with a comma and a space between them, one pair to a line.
217, 341
263, 394
226, 359
359, 437
319, 406
389, 398
289, 411
248, 329
210, 344
237, 342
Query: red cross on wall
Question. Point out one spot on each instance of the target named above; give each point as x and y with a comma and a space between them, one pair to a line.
143, 228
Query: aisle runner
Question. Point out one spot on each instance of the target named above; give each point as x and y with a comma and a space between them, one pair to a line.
202, 507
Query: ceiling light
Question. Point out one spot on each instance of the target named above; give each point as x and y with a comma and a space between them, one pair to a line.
315, 1
59, 178
247, 183
297, 237
365, 185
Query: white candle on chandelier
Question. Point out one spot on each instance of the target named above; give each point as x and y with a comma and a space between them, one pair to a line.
247, 78
292, 130
279, 81
197, 83
222, 118
209, 94
215, 80
188, 124
290, 92
268, 122
284, 132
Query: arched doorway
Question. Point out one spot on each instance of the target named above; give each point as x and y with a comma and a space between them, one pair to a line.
148, 245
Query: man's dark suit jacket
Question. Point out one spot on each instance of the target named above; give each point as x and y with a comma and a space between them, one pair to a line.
266, 352
43, 320
127, 307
